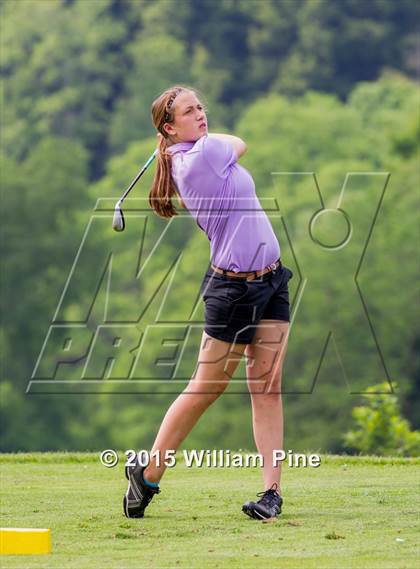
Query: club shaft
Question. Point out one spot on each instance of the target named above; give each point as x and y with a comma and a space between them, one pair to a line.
139, 175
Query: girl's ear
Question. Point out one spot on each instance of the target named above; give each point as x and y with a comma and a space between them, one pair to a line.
169, 128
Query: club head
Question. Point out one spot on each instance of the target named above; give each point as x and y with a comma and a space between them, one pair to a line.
118, 223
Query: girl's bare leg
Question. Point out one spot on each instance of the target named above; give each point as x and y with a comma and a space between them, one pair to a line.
216, 364
265, 358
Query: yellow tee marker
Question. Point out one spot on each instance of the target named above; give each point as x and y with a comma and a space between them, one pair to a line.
24, 541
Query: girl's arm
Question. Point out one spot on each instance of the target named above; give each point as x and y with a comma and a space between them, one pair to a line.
238, 144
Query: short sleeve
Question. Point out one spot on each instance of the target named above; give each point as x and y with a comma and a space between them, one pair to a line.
218, 154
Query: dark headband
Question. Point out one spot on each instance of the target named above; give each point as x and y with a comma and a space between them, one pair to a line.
170, 103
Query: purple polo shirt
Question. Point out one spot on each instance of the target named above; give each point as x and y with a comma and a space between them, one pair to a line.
220, 194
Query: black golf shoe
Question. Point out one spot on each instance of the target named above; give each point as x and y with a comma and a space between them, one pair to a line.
269, 506
138, 493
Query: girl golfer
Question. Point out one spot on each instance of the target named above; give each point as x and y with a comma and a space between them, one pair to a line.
245, 291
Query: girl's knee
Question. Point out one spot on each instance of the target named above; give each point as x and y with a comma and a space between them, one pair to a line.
206, 393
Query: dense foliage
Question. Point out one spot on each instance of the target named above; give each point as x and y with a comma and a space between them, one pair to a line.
379, 428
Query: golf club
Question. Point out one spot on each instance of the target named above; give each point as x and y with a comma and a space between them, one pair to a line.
118, 223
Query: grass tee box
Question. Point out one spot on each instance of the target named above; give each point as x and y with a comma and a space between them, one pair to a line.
350, 512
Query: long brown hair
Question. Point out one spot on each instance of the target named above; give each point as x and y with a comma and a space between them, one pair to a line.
163, 187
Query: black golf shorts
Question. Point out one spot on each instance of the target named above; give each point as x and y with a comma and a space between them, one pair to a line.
234, 306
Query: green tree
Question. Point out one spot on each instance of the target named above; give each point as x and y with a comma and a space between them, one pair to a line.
379, 427
345, 42
59, 82
39, 237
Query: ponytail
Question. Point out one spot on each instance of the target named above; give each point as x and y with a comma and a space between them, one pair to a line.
163, 187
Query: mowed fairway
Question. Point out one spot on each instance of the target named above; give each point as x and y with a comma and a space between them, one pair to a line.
350, 512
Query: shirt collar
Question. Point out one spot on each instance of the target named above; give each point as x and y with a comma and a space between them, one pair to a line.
180, 146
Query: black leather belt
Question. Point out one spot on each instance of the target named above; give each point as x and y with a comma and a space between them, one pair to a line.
251, 275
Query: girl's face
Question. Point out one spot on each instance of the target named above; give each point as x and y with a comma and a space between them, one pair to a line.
190, 121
